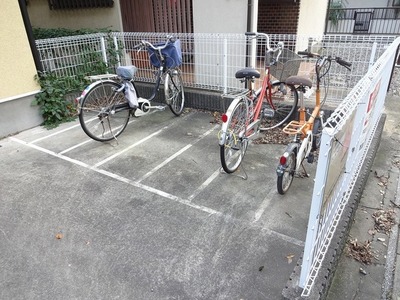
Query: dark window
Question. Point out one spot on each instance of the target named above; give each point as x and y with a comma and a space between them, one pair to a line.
77, 4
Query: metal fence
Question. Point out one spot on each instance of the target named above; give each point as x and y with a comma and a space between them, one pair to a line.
364, 21
344, 145
211, 60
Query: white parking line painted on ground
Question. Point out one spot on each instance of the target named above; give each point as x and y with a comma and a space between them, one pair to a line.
128, 148
76, 146
186, 202
77, 162
119, 178
151, 172
54, 134
260, 211
204, 184
176, 154
159, 192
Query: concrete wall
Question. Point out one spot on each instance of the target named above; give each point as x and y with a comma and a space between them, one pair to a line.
17, 71
311, 20
17, 68
222, 16
41, 16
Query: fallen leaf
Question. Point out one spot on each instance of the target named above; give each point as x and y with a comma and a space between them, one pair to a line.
290, 258
362, 271
59, 236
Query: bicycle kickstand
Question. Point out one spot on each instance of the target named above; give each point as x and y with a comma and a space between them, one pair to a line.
244, 177
304, 170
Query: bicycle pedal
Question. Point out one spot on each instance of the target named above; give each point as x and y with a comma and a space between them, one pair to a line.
159, 107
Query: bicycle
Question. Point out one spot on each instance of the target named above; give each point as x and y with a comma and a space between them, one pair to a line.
252, 111
105, 106
306, 131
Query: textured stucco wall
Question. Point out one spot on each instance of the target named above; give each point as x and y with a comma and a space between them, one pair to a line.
17, 68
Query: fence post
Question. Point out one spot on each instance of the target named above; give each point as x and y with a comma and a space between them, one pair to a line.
103, 50
225, 66
372, 57
116, 51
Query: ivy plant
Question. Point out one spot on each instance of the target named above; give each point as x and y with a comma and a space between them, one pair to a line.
52, 99
54, 107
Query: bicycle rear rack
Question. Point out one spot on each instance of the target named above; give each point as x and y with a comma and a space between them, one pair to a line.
294, 127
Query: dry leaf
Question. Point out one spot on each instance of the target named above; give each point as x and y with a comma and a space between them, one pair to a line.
59, 236
290, 258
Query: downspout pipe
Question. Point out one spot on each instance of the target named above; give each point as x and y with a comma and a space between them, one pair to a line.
252, 21
29, 33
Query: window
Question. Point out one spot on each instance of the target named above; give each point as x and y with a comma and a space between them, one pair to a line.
396, 3
77, 4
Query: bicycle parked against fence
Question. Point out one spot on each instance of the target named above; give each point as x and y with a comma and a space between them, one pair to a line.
106, 105
252, 111
306, 131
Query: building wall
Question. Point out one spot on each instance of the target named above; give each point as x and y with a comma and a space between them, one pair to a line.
366, 3
278, 17
17, 71
312, 17
41, 16
222, 16
17, 68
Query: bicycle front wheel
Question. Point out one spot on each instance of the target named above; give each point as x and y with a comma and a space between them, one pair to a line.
104, 111
285, 180
279, 105
174, 93
235, 143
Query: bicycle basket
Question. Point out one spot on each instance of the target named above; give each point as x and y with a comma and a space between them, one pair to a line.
288, 65
172, 55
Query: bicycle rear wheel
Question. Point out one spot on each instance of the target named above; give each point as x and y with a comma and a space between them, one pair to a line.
174, 93
279, 110
235, 144
104, 111
285, 180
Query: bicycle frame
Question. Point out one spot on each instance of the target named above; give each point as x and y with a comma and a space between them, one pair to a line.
254, 118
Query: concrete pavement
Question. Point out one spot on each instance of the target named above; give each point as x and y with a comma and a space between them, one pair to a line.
148, 217
151, 216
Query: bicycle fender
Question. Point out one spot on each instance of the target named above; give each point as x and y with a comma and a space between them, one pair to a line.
79, 99
224, 127
292, 147
92, 85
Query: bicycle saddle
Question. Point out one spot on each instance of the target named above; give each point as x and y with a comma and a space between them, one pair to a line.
247, 73
299, 80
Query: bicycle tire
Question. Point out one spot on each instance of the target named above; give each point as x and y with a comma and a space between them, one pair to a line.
285, 180
174, 92
104, 112
235, 146
284, 103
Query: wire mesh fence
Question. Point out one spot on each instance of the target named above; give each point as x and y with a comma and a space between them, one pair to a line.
210, 61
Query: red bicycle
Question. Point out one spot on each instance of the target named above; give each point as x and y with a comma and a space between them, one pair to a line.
253, 111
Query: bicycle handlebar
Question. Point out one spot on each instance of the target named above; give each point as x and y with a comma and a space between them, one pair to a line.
269, 49
145, 44
339, 60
